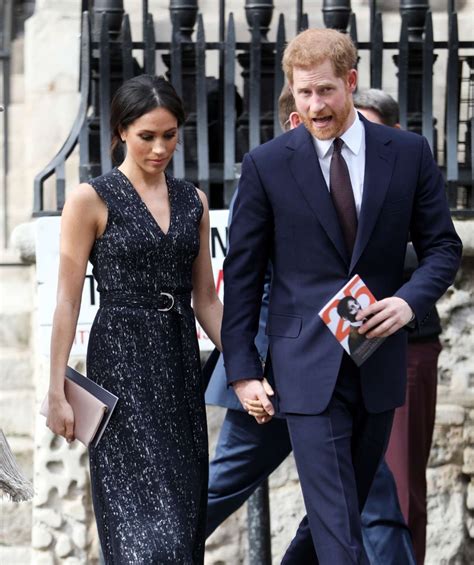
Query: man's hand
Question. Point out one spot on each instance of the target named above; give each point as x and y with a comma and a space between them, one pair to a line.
385, 317
253, 395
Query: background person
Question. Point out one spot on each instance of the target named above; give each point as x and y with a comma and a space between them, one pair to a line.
320, 218
147, 237
410, 441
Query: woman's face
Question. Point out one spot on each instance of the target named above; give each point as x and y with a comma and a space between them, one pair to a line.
353, 306
151, 140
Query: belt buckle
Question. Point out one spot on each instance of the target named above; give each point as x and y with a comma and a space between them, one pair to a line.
171, 297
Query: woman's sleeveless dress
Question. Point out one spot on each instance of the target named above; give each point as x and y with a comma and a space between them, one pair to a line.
149, 470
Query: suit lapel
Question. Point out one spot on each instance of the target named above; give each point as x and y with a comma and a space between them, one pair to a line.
304, 165
379, 160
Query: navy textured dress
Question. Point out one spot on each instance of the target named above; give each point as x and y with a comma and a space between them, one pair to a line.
149, 470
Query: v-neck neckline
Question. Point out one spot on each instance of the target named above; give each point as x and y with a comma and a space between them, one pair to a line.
145, 206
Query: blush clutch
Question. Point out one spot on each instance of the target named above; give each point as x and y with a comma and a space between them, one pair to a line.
92, 405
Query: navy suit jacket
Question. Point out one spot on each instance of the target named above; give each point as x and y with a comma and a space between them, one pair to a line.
284, 213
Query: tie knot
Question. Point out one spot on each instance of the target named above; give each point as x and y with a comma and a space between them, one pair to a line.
338, 143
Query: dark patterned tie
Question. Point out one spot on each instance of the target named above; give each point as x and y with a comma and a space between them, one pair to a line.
342, 195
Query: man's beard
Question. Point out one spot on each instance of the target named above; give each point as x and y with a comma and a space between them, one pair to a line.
335, 126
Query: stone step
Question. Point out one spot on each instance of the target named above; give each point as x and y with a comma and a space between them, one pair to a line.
15, 329
16, 527
16, 555
18, 213
15, 421
16, 290
16, 306
17, 369
10, 256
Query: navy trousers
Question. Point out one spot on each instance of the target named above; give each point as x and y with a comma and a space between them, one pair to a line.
387, 539
337, 453
247, 453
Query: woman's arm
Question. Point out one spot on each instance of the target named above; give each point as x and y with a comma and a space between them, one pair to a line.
206, 303
83, 216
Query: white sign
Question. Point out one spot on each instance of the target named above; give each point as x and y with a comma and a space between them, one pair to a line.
47, 265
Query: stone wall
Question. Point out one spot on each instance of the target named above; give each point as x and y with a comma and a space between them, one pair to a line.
451, 467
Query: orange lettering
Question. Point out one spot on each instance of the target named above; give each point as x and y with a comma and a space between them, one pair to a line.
347, 291
342, 333
326, 316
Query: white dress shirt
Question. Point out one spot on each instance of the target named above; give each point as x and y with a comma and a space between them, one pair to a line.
353, 152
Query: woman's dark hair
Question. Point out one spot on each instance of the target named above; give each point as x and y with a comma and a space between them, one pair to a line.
138, 96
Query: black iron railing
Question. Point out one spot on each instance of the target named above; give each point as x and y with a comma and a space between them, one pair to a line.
224, 122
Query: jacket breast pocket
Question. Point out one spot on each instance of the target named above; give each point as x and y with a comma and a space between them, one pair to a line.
283, 325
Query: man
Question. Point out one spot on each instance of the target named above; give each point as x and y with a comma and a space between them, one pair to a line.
410, 441
247, 453
329, 199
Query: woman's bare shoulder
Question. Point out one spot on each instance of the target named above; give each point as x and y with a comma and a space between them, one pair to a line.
84, 197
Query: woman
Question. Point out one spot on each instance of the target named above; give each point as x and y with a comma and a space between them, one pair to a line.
147, 237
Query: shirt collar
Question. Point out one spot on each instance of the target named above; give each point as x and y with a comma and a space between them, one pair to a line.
352, 138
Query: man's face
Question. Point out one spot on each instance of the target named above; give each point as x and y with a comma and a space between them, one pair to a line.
323, 100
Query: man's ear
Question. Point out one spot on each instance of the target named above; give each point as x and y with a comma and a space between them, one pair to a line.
352, 79
397, 126
295, 120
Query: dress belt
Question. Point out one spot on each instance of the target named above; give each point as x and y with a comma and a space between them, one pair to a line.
161, 301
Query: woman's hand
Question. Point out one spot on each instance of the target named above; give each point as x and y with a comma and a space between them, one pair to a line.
61, 418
